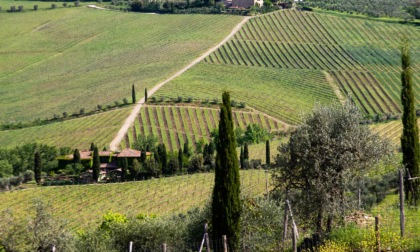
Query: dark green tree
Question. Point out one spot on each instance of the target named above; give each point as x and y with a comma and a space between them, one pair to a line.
187, 151
143, 155
226, 205
92, 146
163, 158
241, 158
37, 167
96, 165
267, 153
180, 158
410, 137
246, 152
76, 157
145, 95
124, 169
133, 94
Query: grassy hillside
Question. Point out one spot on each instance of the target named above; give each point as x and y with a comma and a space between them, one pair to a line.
61, 60
290, 59
76, 133
173, 125
83, 206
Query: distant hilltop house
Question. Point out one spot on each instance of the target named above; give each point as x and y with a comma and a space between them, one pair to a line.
244, 4
110, 161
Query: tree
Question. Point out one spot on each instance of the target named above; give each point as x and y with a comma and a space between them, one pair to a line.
124, 169
163, 158
37, 167
76, 157
267, 153
145, 95
96, 164
187, 151
241, 158
6, 169
410, 136
92, 146
226, 205
180, 158
246, 152
133, 94
326, 153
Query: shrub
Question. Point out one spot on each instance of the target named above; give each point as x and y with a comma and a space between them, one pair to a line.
64, 4
233, 103
117, 103
189, 99
77, 3
65, 114
153, 99
4, 184
12, 8
215, 101
28, 175
125, 101
20, 8
82, 111
53, 6
179, 99
99, 106
242, 105
110, 218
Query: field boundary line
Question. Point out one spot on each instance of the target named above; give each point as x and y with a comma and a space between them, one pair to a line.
334, 87
130, 120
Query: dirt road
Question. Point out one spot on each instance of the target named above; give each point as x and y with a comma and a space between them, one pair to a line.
130, 120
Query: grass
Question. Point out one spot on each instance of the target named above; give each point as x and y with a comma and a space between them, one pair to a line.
75, 133
83, 206
282, 93
50, 65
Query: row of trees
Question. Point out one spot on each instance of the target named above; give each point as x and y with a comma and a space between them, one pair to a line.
406, 9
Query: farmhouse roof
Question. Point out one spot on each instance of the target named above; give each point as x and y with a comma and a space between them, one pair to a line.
129, 153
108, 166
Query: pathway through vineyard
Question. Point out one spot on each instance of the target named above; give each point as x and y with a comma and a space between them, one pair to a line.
130, 120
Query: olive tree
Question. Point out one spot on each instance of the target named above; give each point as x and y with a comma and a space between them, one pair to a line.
325, 154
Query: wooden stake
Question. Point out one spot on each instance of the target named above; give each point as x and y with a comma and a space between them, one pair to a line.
402, 217
224, 243
377, 234
164, 247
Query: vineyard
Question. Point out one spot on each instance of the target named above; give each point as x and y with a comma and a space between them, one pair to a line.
83, 206
75, 133
49, 65
391, 130
305, 51
174, 125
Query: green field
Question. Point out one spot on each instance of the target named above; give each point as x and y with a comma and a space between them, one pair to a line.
84, 205
291, 59
75, 133
174, 125
55, 61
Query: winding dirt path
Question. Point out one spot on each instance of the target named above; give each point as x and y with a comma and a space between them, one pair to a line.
130, 120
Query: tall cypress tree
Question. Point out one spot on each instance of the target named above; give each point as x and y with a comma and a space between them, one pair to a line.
226, 205
410, 137
246, 152
241, 158
124, 169
133, 94
37, 167
76, 157
96, 165
267, 153
180, 157
145, 95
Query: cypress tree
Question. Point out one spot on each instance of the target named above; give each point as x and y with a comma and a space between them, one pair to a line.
246, 152
410, 137
163, 158
133, 94
241, 158
92, 147
143, 155
76, 157
96, 165
267, 153
124, 169
226, 205
187, 152
145, 95
37, 167
180, 157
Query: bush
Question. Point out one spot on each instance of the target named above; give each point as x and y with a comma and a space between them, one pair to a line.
53, 6
65, 114
20, 8
179, 99
64, 4
125, 101
12, 8
28, 175
77, 3
117, 103
189, 99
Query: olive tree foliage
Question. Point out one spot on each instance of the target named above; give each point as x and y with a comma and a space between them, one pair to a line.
40, 233
328, 152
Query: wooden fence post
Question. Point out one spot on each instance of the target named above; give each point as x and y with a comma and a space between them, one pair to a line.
377, 234
401, 188
130, 248
225, 248
164, 247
